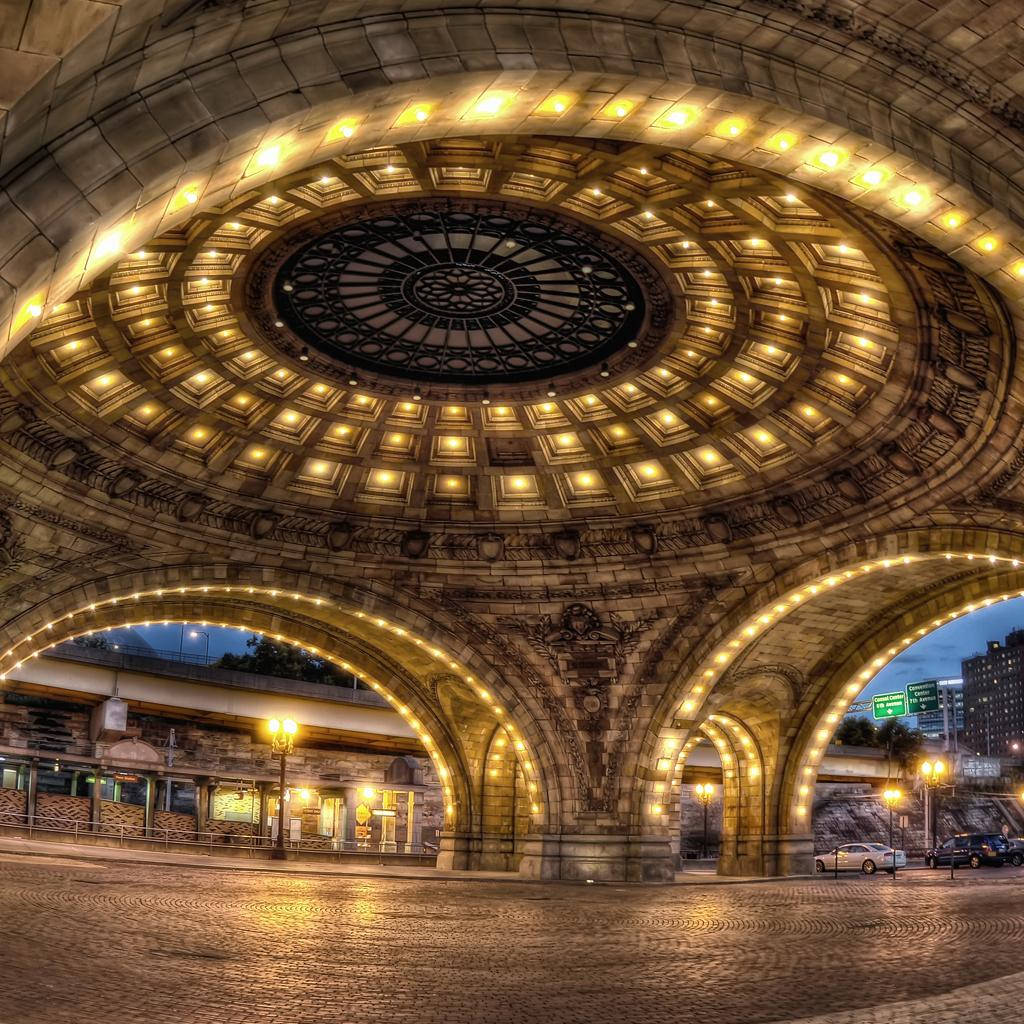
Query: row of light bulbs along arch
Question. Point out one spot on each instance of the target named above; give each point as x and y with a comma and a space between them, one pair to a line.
673, 752
512, 735
670, 743
868, 174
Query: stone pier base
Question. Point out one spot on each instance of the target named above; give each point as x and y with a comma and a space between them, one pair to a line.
576, 858
767, 856
602, 858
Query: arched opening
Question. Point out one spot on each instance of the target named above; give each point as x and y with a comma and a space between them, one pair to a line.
403, 673
771, 689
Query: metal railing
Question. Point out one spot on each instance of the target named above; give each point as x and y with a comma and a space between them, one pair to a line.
44, 826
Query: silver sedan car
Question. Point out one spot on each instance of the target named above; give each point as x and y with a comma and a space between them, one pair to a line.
865, 857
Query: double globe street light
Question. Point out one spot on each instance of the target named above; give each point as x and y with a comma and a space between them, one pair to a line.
282, 742
704, 792
932, 772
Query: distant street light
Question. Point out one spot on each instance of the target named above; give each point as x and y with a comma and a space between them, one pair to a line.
705, 792
892, 798
194, 634
282, 743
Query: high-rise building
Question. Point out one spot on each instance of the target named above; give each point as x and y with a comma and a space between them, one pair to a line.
948, 721
994, 697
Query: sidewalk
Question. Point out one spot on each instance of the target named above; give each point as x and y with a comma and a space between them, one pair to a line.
17, 846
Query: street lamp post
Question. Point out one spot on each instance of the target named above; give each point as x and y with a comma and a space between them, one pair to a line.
194, 634
933, 772
282, 743
892, 798
705, 791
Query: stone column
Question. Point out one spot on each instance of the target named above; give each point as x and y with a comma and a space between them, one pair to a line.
264, 822
599, 856
389, 802
414, 823
768, 856
351, 803
96, 804
202, 804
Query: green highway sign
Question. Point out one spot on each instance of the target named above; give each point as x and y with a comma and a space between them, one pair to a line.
889, 705
923, 696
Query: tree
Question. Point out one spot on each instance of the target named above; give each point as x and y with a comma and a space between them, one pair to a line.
902, 744
266, 657
93, 643
856, 732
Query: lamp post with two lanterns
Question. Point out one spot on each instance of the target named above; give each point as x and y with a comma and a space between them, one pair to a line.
282, 743
704, 792
892, 798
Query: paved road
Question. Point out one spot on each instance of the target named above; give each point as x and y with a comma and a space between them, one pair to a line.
107, 943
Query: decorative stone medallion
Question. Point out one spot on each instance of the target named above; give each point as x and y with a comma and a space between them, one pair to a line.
459, 292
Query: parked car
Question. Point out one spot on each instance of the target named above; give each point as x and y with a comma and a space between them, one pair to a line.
1016, 855
972, 849
866, 857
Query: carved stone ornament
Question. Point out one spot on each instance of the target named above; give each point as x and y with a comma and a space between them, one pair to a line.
490, 546
339, 535
645, 539
7, 540
192, 507
124, 483
900, 459
717, 528
787, 512
64, 454
415, 543
567, 544
586, 654
263, 524
847, 486
14, 419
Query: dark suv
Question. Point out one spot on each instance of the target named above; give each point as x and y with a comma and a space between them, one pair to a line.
1016, 854
973, 849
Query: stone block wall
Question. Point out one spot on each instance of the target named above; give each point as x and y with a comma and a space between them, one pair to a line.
847, 813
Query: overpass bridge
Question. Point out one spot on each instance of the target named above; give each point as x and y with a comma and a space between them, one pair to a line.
329, 714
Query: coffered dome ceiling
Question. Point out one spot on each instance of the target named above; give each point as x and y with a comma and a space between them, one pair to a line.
498, 329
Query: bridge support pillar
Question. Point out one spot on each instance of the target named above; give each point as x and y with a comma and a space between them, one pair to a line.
767, 856
601, 858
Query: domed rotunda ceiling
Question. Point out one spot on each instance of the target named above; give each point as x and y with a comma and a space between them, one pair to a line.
493, 329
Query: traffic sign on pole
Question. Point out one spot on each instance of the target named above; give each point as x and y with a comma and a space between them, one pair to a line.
923, 696
888, 705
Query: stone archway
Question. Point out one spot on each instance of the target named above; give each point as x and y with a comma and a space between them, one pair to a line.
770, 689
449, 710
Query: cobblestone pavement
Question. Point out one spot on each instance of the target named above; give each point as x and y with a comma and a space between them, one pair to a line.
102, 943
